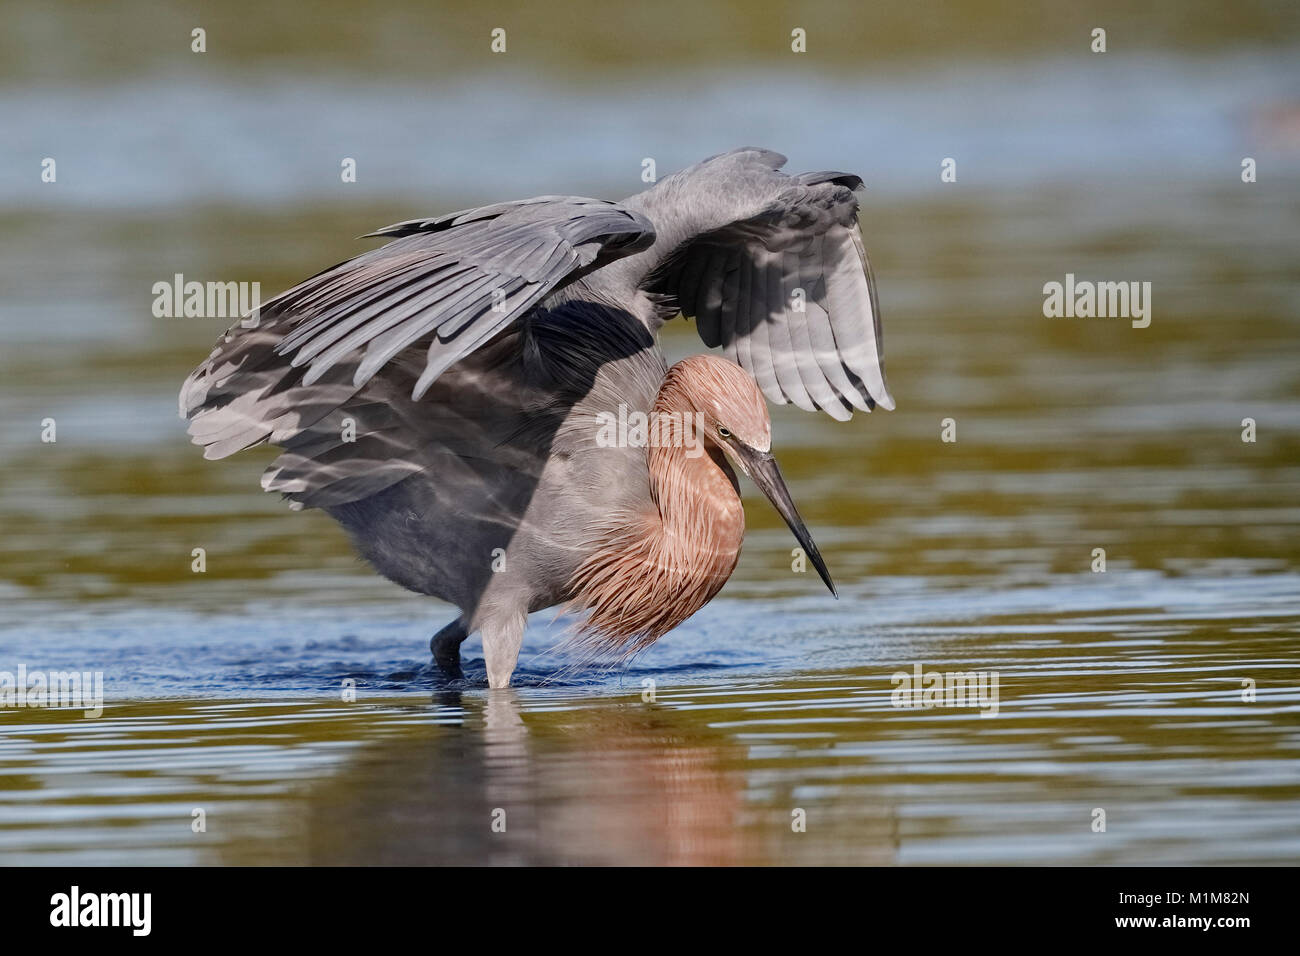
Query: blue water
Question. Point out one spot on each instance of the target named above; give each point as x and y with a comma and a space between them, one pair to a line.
378, 636
277, 140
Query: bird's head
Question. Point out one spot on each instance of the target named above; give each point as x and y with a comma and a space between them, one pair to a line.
733, 419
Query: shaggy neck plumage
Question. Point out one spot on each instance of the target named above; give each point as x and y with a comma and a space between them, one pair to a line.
659, 568
693, 487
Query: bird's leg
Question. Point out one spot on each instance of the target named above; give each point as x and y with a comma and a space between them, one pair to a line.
446, 647
502, 638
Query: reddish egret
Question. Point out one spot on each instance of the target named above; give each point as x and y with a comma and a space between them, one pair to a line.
482, 404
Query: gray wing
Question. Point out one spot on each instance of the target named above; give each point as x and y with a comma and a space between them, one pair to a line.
458, 435
774, 272
460, 279
450, 283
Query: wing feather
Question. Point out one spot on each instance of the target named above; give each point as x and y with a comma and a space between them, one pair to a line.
452, 281
755, 237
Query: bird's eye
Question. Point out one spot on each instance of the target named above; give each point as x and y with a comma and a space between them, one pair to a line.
724, 431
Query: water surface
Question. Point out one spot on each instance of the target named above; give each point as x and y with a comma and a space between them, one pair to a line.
1127, 689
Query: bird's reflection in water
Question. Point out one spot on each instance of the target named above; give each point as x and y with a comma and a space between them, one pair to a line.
492, 782
496, 778
508, 777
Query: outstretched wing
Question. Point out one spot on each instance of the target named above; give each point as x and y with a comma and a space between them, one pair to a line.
453, 282
774, 271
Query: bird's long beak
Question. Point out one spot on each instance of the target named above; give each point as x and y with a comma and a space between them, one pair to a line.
764, 472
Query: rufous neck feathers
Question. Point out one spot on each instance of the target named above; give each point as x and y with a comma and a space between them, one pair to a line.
656, 569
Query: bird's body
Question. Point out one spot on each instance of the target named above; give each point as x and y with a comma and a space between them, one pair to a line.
448, 398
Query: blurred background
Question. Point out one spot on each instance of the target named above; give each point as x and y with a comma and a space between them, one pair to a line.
1072, 434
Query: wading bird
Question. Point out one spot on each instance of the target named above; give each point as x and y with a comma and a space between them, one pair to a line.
447, 397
